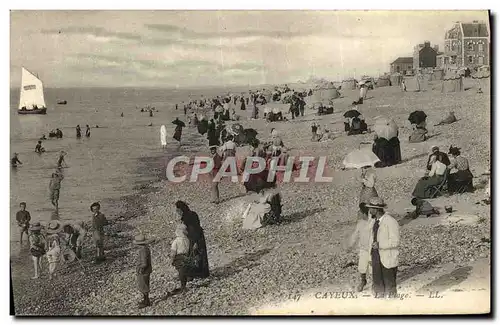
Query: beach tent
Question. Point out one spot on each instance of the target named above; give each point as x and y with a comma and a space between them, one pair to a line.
383, 81
396, 79
416, 83
482, 78
323, 96
452, 84
349, 84
326, 92
438, 74
268, 95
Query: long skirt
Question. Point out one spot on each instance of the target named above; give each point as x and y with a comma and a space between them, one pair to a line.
201, 268
424, 188
459, 180
143, 282
178, 134
389, 152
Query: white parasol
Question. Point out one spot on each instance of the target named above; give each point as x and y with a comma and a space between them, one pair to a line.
385, 128
360, 158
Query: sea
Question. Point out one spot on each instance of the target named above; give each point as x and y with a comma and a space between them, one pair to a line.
100, 167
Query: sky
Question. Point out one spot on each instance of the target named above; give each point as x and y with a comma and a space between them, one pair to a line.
213, 48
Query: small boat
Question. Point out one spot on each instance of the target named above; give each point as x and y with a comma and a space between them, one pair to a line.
62, 102
31, 99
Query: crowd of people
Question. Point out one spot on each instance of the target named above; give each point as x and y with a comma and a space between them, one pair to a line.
376, 235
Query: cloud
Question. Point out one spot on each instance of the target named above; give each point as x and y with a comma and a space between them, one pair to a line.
101, 60
188, 33
92, 31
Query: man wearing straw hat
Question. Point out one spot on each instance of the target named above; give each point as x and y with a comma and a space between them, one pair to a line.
98, 223
384, 242
144, 269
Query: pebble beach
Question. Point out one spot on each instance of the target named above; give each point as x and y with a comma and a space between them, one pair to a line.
254, 269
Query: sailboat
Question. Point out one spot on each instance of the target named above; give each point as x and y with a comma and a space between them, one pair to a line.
31, 99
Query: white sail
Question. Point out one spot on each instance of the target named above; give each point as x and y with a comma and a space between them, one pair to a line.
31, 91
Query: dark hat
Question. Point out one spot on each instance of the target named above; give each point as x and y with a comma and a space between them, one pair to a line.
363, 208
95, 204
454, 151
414, 201
35, 226
376, 203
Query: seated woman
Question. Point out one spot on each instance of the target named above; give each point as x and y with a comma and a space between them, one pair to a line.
419, 135
388, 151
358, 126
424, 187
462, 179
265, 211
439, 155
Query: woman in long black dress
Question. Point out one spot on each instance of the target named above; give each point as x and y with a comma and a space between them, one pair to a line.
198, 246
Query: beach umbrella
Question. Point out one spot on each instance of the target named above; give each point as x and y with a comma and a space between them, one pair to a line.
179, 122
360, 158
417, 117
235, 129
352, 113
385, 128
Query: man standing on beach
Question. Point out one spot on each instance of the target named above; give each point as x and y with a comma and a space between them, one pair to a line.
23, 219
384, 240
55, 187
98, 223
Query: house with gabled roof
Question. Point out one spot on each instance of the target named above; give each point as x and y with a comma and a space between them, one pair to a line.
466, 45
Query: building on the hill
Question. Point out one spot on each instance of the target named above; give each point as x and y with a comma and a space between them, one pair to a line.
402, 65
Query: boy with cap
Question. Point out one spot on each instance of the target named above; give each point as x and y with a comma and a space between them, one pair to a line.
144, 269
98, 223
23, 219
384, 242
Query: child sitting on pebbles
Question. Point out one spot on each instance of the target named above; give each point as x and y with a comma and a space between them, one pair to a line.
422, 208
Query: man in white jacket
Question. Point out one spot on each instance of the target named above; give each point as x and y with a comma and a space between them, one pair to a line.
384, 242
